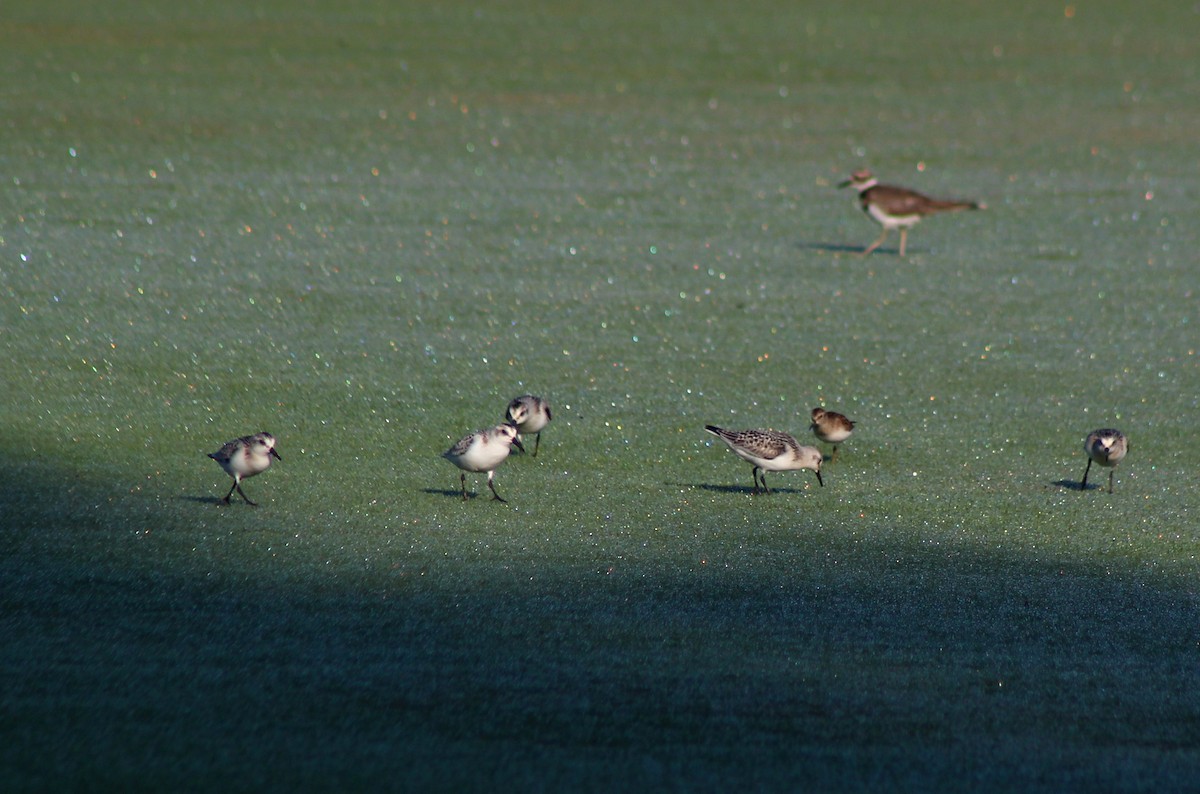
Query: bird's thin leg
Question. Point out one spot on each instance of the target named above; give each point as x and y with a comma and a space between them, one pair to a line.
1083, 485
464, 485
495, 495
875, 244
230, 494
833, 457
754, 474
763, 476
238, 485
1111, 472
537, 442
903, 239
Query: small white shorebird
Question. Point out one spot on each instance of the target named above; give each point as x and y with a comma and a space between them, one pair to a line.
1106, 448
832, 428
769, 450
530, 414
482, 451
245, 457
897, 207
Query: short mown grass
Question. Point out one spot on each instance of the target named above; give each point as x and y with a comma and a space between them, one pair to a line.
365, 228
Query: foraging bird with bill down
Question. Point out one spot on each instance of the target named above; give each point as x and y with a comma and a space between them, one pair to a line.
832, 428
530, 414
769, 450
482, 451
1107, 448
245, 457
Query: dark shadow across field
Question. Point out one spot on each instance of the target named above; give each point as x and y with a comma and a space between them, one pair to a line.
842, 668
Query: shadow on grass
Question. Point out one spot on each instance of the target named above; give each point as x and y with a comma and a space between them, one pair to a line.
204, 500
843, 248
132, 656
736, 489
1074, 485
454, 493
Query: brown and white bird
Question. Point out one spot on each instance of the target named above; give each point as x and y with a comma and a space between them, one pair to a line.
530, 414
1106, 448
897, 207
832, 428
245, 457
483, 451
769, 450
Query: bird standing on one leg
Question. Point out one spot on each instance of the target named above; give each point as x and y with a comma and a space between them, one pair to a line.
769, 450
483, 451
1106, 448
530, 414
897, 207
245, 457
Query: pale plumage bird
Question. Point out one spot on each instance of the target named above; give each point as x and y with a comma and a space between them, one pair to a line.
483, 451
769, 450
832, 428
897, 207
530, 414
1106, 448
245, 457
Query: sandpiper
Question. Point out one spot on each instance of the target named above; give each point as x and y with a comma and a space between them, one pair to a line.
245, 457
897, 207
530, 414
832, 428
769, 450
483, 451
1106, 448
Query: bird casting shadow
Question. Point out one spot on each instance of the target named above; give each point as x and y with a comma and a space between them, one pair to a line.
844, 248
703, 486
835, 247
455, 493
203, 500
1074, 485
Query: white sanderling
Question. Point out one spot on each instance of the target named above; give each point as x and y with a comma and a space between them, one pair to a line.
530, 414
245, 457
832, 428
482, 451
769, 450
1106, 447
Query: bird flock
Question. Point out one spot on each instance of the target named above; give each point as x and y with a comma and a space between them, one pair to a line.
482, 451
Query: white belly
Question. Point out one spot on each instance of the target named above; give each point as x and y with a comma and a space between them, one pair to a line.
892, 221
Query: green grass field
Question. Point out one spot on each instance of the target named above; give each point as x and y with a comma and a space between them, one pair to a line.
364, 226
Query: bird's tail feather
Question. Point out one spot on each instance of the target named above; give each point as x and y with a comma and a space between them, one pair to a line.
955, 206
